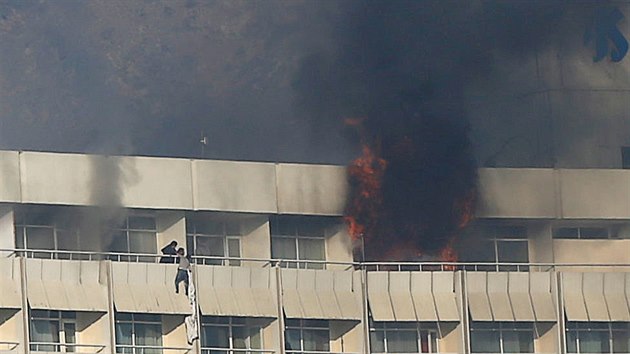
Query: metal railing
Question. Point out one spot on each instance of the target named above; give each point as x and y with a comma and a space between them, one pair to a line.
149, 349
315, 264
215, 350
316, 352
65, 347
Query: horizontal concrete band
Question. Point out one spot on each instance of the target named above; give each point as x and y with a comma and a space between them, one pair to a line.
268, 188
169, 183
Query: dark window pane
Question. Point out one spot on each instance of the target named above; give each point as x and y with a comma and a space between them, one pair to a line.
594, 233
283, 248
517, 232
485, 341
512, 251
142, 223
210, 246
566, 232
119, 243
377, 341
292, 339
316, 340
215, 337
40, 238
402, 342
571, 341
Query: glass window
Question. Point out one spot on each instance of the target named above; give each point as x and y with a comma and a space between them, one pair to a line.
51, 331
598, 337
505, 244
138, 334
214, 238
37, 229
137, 234
299, 238
399, 337
307, 335
502, 337
592, 233
219, 334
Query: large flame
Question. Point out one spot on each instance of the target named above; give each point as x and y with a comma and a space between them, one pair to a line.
367, 219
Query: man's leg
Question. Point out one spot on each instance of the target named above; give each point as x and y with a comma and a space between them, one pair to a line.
178, 279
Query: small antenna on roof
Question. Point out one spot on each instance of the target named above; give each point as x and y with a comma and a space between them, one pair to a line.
204, 142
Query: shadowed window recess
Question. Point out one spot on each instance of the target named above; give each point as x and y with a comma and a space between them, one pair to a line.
52, 331
306, 335
498, 244
299, 238
502, 337
40, 229
588, 232
220, 334
214, 238
138, 333
403, 337
598, 337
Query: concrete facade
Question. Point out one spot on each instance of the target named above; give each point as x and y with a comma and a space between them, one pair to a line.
563, 280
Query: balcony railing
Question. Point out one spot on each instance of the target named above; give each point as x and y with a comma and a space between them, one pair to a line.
65, 347
149, 349
217, 350
317, 264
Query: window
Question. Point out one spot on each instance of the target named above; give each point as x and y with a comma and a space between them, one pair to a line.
53, 331
298, 238
502, 337
138, 333
137, 234
598, 337
587, 233
307, 336
219, 334
403, 337
500, 245
37, 230
215, 239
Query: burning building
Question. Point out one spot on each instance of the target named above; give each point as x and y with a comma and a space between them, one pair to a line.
274, 257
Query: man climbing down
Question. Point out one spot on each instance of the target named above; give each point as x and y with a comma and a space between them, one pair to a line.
182, 271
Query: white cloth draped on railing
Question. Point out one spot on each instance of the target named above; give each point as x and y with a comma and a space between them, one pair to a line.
192, 321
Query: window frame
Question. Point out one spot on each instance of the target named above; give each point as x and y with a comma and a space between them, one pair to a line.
609, 330
132, 348
502, 330
419, 328
231, 323
610, 234
21, 230
62, 318
295, 237
305, 325
126, 230
225, 236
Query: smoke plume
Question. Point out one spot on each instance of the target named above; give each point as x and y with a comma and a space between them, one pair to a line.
404, 67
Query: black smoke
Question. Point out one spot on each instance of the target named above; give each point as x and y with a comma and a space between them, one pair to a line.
405, 67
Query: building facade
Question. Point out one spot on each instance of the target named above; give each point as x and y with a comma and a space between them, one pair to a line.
544, 269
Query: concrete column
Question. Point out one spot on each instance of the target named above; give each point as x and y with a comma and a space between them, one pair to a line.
338, 246
7, 230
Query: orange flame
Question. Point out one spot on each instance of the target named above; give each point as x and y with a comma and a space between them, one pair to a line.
366, 172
